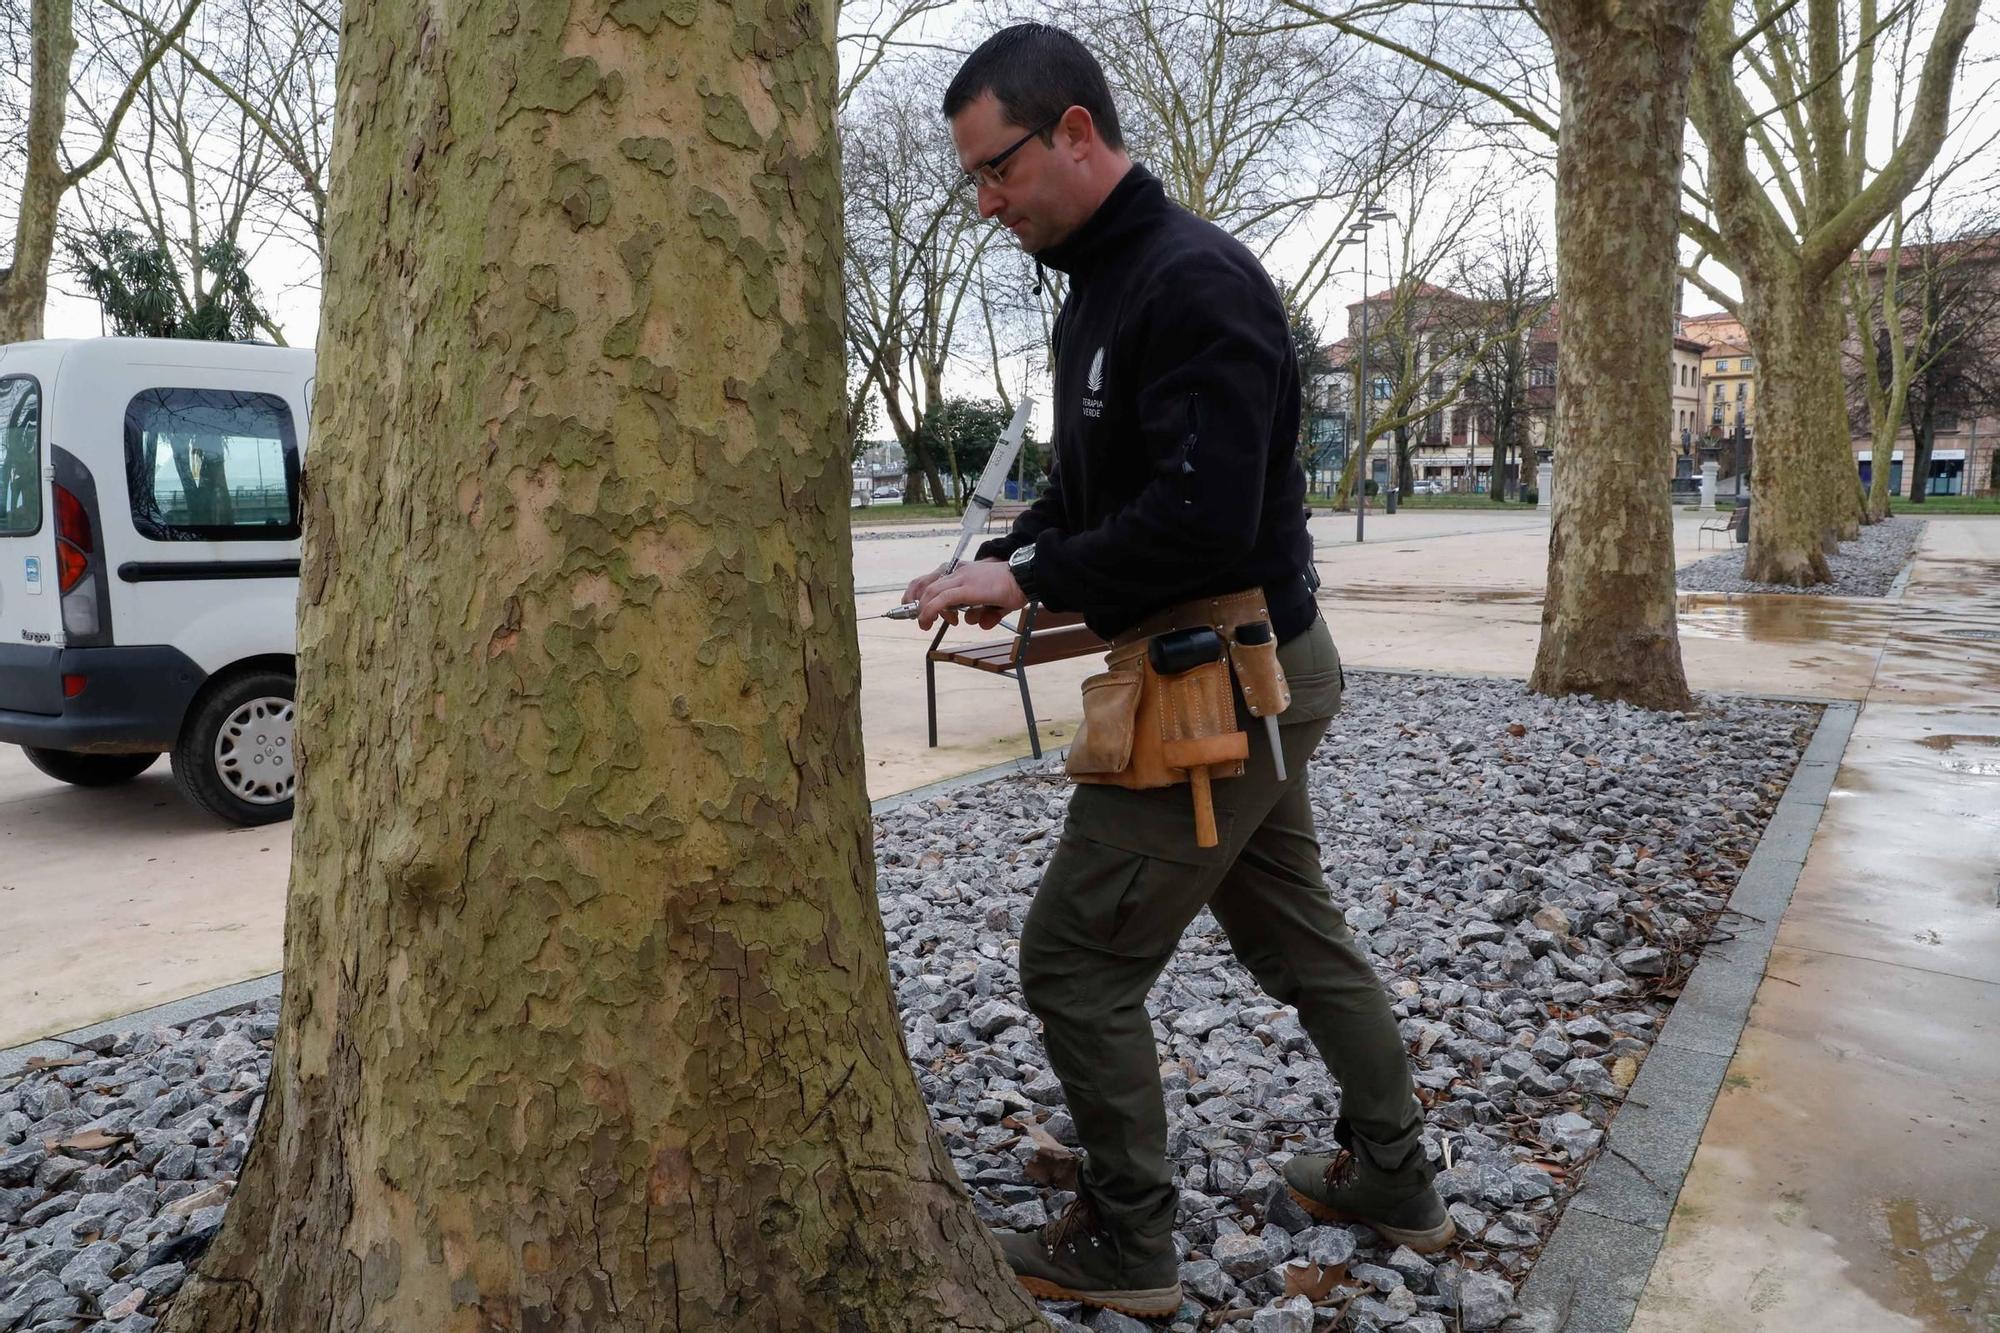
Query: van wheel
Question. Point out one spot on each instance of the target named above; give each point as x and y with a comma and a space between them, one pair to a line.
89, 770
236, 758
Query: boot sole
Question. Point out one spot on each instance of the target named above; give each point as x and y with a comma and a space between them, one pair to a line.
1423, 1242
1147, 1303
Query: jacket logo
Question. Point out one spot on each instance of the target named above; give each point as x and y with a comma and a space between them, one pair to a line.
1093, 406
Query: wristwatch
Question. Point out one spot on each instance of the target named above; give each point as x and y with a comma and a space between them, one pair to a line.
1022, 565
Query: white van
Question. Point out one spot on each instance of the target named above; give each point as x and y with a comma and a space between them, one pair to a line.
149, 563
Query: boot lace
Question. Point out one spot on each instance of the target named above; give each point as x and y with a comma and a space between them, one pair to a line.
1340, 1171
1079, 1221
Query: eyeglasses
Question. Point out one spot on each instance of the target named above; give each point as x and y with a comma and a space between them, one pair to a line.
989, 173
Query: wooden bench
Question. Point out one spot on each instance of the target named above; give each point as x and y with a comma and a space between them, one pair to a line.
1005, 514
1040, 636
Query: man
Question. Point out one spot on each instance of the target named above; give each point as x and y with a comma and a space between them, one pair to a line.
1174, 478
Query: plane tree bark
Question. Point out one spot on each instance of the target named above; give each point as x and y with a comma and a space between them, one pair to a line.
587, 1020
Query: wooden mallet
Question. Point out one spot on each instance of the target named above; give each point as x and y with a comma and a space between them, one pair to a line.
1200, 718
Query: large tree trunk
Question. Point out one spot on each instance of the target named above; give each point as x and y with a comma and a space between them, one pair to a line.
1608, 620
587, 1022
1796, 334
24, 285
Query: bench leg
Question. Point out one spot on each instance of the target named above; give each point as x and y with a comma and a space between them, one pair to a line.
1028, 708
930, 696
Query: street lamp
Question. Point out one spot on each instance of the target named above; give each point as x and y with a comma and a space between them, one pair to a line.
1370, 215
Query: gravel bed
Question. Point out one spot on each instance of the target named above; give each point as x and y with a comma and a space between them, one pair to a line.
1533, 878
1865, 567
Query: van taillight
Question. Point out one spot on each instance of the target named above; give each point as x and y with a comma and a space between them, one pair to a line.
74, 540
73, 685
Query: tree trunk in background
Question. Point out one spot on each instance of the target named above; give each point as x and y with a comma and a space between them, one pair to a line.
1608, 619
1796, 334
24, 285
1922, 439
587, 1021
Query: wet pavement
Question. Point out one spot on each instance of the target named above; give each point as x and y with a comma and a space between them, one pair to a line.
1849, 1175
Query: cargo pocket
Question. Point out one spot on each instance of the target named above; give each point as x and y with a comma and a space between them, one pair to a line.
1127, 878
1103, 742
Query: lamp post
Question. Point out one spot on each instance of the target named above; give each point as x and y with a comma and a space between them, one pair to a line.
1370, 215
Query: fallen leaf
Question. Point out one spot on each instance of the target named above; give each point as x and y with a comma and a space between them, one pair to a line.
43, 1062
1054, 1166
194, 1203
1313, 1281
91, 1140
1516, 729
1623, 1070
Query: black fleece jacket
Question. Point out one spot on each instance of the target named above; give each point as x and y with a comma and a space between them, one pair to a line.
1175, 472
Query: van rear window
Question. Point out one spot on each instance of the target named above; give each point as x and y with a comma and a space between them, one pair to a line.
212, 465
20, 457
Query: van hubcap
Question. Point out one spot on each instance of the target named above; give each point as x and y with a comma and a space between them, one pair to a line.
253, 752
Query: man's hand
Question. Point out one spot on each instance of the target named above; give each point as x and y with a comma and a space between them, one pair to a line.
922, 582
986, 584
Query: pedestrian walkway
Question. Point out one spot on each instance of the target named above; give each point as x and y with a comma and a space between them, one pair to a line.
1848, 1179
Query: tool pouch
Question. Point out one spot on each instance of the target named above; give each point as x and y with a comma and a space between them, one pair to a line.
1261, 678
1104, 740
1142, 730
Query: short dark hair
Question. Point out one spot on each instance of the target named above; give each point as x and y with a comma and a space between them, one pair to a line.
1036, 71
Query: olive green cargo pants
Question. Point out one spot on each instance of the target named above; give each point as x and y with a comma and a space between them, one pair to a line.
1125, 881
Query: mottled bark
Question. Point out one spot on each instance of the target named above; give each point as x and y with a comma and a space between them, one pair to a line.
587, 1022
1797, 333
1608, 619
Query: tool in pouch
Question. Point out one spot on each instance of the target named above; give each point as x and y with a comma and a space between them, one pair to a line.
983, 498
1163, 713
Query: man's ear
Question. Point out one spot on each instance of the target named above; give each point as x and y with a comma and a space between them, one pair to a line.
1078, 131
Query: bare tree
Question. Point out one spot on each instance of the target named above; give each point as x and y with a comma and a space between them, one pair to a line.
1790, 186
1511, 286
1274, 131
272, 63
187, 175
46, 159
1784, 109
914, 248
1424, 341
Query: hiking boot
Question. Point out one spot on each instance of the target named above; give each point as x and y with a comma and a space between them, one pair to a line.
1401, 1205
1078, 1258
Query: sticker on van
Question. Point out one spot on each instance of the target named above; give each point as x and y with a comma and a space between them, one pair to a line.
34, 576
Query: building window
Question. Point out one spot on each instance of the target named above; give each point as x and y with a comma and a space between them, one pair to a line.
1721, 364
1541, 375
1740, 387
1718, 396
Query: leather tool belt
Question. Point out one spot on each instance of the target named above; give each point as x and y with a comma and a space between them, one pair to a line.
1144, 727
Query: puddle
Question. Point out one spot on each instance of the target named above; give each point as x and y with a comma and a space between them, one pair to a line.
1978, 768
1948, 1267
1431, 592
1949, 740
1780, 618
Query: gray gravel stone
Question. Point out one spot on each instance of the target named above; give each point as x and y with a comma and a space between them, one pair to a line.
1865, 567
1292, 1316
1241, 1256
1496, 852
